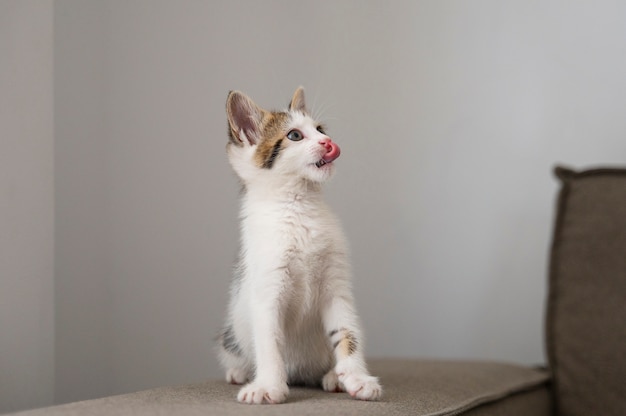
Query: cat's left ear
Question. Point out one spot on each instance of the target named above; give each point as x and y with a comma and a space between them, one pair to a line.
297, 102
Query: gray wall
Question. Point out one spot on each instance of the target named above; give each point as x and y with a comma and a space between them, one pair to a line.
83, 266
26, 205
450, 116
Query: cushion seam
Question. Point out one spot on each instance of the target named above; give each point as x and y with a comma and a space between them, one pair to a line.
491, 397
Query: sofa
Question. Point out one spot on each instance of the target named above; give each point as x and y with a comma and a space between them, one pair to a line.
585, 341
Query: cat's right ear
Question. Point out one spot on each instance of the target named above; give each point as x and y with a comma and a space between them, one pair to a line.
297, 102
244, 119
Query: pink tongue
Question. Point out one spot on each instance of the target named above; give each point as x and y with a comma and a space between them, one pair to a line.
333, 153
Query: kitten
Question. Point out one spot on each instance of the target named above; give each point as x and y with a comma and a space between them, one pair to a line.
291, 317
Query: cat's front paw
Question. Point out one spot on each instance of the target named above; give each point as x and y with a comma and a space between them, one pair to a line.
259, 393
361, 386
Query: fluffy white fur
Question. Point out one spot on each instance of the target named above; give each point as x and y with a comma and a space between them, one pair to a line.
291, 317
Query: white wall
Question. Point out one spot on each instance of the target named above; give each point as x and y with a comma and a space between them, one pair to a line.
26, 205
450, 116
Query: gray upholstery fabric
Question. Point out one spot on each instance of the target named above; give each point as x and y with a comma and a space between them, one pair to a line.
412, 387
586, 321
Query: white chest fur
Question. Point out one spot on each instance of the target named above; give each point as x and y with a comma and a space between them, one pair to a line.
289, 240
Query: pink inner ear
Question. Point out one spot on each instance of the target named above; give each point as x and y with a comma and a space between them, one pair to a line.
332, 153
244, 116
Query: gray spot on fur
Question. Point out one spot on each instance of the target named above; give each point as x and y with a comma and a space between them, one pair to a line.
229, 342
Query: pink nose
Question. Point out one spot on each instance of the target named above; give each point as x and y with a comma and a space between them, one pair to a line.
332, 150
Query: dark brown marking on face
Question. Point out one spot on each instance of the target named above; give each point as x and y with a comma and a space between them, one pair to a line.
273, 132
269, 162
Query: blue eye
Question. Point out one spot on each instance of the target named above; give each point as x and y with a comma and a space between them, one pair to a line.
295, 135
321, 129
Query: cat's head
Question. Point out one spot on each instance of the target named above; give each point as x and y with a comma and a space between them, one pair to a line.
277, 146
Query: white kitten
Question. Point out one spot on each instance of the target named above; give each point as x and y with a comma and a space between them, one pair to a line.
291, 317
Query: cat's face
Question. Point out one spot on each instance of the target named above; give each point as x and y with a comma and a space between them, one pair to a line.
277, 146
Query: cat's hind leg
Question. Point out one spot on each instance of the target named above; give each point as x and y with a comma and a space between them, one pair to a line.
331, 383
238, 368
237, 375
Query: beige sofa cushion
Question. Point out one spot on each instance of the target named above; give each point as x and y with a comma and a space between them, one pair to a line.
412, 387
